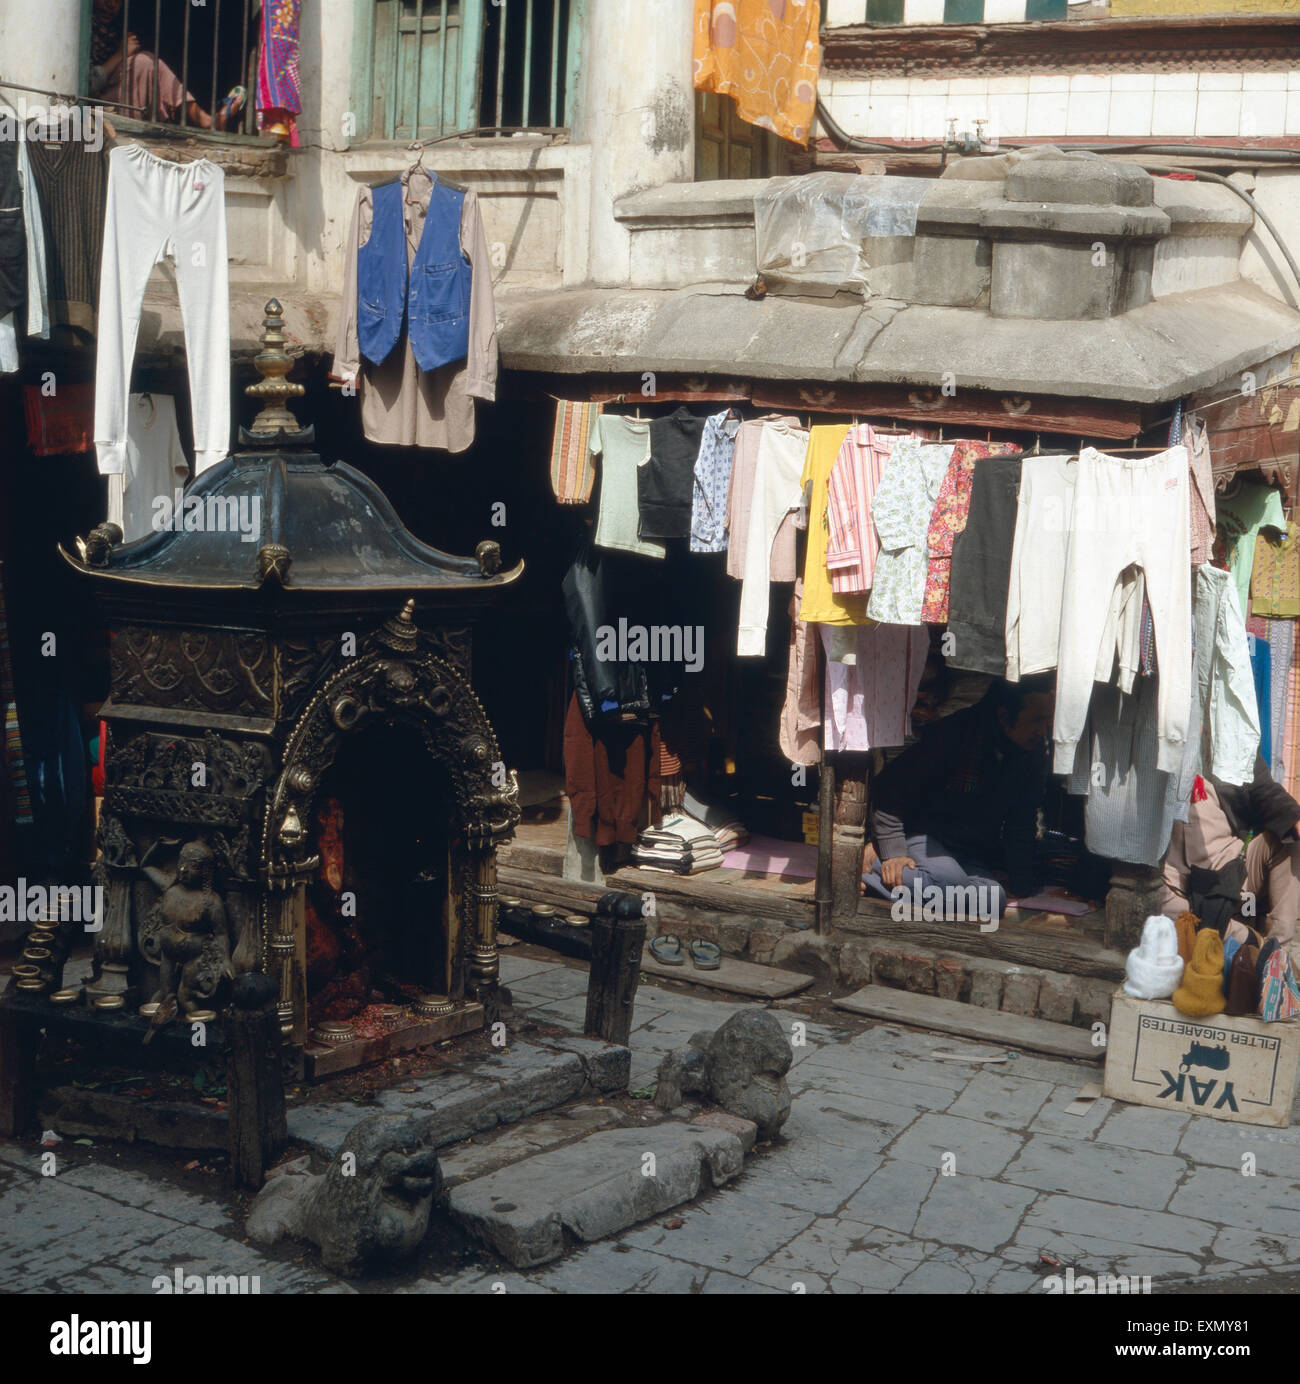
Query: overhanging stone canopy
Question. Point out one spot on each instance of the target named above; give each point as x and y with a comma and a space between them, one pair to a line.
1168, 348
1041, 273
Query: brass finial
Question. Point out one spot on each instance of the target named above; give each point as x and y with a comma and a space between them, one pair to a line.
273, 363
400, 633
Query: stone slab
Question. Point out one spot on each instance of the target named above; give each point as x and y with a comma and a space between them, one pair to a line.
464, 1162
739, 977
497, 1088
971, 1021
1102, 1172
592, 1189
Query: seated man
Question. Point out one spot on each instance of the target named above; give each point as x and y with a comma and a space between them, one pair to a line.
1209, 870
964, 801
111, 50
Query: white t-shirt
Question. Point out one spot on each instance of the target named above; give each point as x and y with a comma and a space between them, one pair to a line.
155, 464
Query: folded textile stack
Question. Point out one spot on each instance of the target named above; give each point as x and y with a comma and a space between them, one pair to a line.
680, 846
728, 830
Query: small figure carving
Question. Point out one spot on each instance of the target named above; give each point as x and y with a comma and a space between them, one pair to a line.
98, 544
489, 557
274, 560
193, 934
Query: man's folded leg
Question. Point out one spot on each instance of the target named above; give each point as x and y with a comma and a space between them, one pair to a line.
969, 890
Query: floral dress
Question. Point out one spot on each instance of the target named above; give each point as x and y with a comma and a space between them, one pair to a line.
901, 508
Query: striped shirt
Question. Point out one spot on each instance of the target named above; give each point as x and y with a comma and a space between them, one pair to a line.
852, 544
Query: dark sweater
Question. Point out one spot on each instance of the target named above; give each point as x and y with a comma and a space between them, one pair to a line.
1261, 805
73, 186
968, 786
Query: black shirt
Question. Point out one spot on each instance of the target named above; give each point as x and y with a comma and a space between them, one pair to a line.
665, 483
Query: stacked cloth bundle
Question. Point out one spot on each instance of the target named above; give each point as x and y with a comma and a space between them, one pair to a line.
680, 846
728, 830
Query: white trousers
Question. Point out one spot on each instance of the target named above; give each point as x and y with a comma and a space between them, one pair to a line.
777, 468
1044, 522
160, 210
1126, 511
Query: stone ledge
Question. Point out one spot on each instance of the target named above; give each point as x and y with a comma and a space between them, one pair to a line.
236, 158
1167, 348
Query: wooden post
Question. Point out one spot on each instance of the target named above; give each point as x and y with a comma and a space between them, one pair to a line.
18, 1042
823, 897
255, 1085
849, 835
617, 940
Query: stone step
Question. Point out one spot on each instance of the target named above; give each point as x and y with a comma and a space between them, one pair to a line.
594, 1188
738, 977
480, 1092
970, 1021
1032, 992
476, 1093
487, 1153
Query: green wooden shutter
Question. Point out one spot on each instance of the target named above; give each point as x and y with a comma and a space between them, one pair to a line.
416, 67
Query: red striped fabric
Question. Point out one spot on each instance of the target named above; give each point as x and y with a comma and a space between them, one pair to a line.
572, 471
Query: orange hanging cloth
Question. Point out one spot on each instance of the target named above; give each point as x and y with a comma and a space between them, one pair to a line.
766, 55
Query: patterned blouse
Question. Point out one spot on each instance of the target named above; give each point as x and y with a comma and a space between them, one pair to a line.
901, 509
712, 478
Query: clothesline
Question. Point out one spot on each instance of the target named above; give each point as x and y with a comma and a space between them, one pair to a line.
1015, 552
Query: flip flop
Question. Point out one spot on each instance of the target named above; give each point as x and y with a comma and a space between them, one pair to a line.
667, 950
705, 956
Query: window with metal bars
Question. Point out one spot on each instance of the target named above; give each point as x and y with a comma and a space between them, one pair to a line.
180, 65
425, 68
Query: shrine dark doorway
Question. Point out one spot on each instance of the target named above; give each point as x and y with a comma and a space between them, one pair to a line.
380, 920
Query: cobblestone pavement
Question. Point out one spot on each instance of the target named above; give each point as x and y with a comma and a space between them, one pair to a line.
898, 1172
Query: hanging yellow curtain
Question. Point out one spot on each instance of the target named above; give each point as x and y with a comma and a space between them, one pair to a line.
766, 55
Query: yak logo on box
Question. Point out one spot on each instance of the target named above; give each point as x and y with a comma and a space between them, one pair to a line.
1184, 1074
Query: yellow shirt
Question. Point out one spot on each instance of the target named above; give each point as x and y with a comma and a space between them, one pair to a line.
821, 605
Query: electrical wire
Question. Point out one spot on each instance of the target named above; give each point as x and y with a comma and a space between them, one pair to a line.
1202, 174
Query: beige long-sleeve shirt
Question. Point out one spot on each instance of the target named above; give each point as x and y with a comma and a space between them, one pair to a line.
402, 405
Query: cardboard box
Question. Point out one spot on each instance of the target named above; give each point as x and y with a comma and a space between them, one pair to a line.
1228, 1068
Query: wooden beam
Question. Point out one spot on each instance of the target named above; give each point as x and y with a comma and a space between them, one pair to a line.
983, 409
969, 408
1202, 43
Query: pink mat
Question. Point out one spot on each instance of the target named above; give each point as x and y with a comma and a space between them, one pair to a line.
765, 855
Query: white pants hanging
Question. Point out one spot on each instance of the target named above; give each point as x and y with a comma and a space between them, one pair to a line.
1126, 511
1044, 522
158, 210
781, 452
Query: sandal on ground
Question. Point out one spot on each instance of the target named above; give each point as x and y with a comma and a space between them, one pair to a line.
667, 950
705, 956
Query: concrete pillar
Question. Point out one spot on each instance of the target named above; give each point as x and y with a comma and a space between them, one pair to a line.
320, 196
638, 115
41, 47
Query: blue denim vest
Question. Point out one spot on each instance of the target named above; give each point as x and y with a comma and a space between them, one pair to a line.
433, 299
